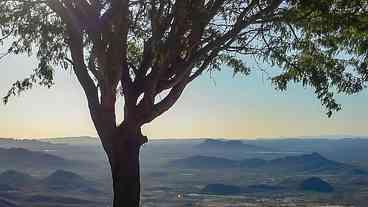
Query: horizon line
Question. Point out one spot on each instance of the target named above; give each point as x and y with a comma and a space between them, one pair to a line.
330, 136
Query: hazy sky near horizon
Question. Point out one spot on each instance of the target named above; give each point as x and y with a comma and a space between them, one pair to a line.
216, 105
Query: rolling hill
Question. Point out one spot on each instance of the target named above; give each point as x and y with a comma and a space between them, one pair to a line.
20, 158
309, 162
15, 179
65, 180
58, 181
317, 185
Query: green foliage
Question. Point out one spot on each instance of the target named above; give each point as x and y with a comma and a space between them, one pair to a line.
321, 44
234, 62
135, 54
33, 29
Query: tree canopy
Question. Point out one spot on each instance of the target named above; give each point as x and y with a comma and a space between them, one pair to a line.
148, 49
165, 44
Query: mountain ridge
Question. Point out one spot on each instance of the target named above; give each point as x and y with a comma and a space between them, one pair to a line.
305, 162
14, 158
238, 145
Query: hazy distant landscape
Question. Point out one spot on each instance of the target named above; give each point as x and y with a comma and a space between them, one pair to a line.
66, 172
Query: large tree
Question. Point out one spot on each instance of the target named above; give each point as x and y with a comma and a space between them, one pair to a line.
148, 51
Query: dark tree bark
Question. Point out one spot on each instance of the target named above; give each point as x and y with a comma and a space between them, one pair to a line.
124, 162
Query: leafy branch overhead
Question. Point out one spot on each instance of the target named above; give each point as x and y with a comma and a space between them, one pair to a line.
155, 48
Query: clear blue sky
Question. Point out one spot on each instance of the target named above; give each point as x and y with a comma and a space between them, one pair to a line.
216, 105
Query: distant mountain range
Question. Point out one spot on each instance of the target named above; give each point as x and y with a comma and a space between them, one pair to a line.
225, 145
49, 143
57, 189
15, 180
307, 162
60, 180
354, 148
65, 180
14, 158
82, 140
31, 144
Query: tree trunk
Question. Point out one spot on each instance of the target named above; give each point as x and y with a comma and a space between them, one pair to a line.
124, 161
